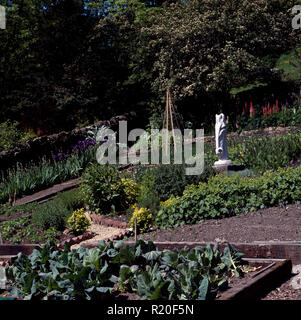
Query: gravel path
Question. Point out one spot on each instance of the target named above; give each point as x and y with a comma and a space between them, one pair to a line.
101, 233
285, 291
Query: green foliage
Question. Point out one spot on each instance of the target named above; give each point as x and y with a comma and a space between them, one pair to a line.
105, 191
290, 64
206, 47
98, 188
41, 221
9, 134
195, 274
51, 214
76, 62
229, 196
168, 180
15, 231
265, 153
72, 200
160, 182
34, 177
52, 274
148, 197
78, 223
38, 48
8, 209
128, 191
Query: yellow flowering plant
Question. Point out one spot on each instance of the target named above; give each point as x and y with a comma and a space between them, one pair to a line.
169, 202
128, 190
78, 223
143, 218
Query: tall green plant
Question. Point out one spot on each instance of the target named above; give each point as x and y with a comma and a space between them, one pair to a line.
265, 153
97, 188
24, 180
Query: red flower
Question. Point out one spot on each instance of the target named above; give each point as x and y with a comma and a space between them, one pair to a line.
245, 110
252, 110
274, 108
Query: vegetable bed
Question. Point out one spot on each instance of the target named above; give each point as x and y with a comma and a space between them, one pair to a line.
111, 270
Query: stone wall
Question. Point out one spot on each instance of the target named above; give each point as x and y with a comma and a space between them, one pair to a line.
45, 146
269, 132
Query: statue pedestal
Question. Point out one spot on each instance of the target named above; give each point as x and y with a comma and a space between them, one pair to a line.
222, 163
224, 168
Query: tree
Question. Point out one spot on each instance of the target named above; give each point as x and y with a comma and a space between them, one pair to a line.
206, 47
113, 62
65, 62
42, 39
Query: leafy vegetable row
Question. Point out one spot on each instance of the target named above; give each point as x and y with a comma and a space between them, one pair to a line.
106, 270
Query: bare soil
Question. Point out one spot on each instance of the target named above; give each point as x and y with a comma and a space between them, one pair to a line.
272, 224
284, 291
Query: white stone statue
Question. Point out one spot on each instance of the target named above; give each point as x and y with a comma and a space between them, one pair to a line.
221, 141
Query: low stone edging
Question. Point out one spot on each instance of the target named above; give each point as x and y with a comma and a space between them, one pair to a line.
102, 221
108, 222
75, 240
112, 223
270, 131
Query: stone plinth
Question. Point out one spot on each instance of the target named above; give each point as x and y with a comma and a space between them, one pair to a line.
224, 168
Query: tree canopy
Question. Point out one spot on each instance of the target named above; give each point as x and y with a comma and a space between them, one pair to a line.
68, 62
211, 46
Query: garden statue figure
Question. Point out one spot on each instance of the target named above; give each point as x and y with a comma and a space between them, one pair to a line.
221, 141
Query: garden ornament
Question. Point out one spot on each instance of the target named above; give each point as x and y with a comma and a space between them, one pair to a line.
221, 141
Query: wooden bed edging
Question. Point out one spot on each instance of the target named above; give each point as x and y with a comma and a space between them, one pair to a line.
14, 249
289, 250
277, 270
263, 283
272, 250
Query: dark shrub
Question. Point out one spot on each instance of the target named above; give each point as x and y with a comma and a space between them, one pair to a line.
51, 214
167, 180
98, 188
